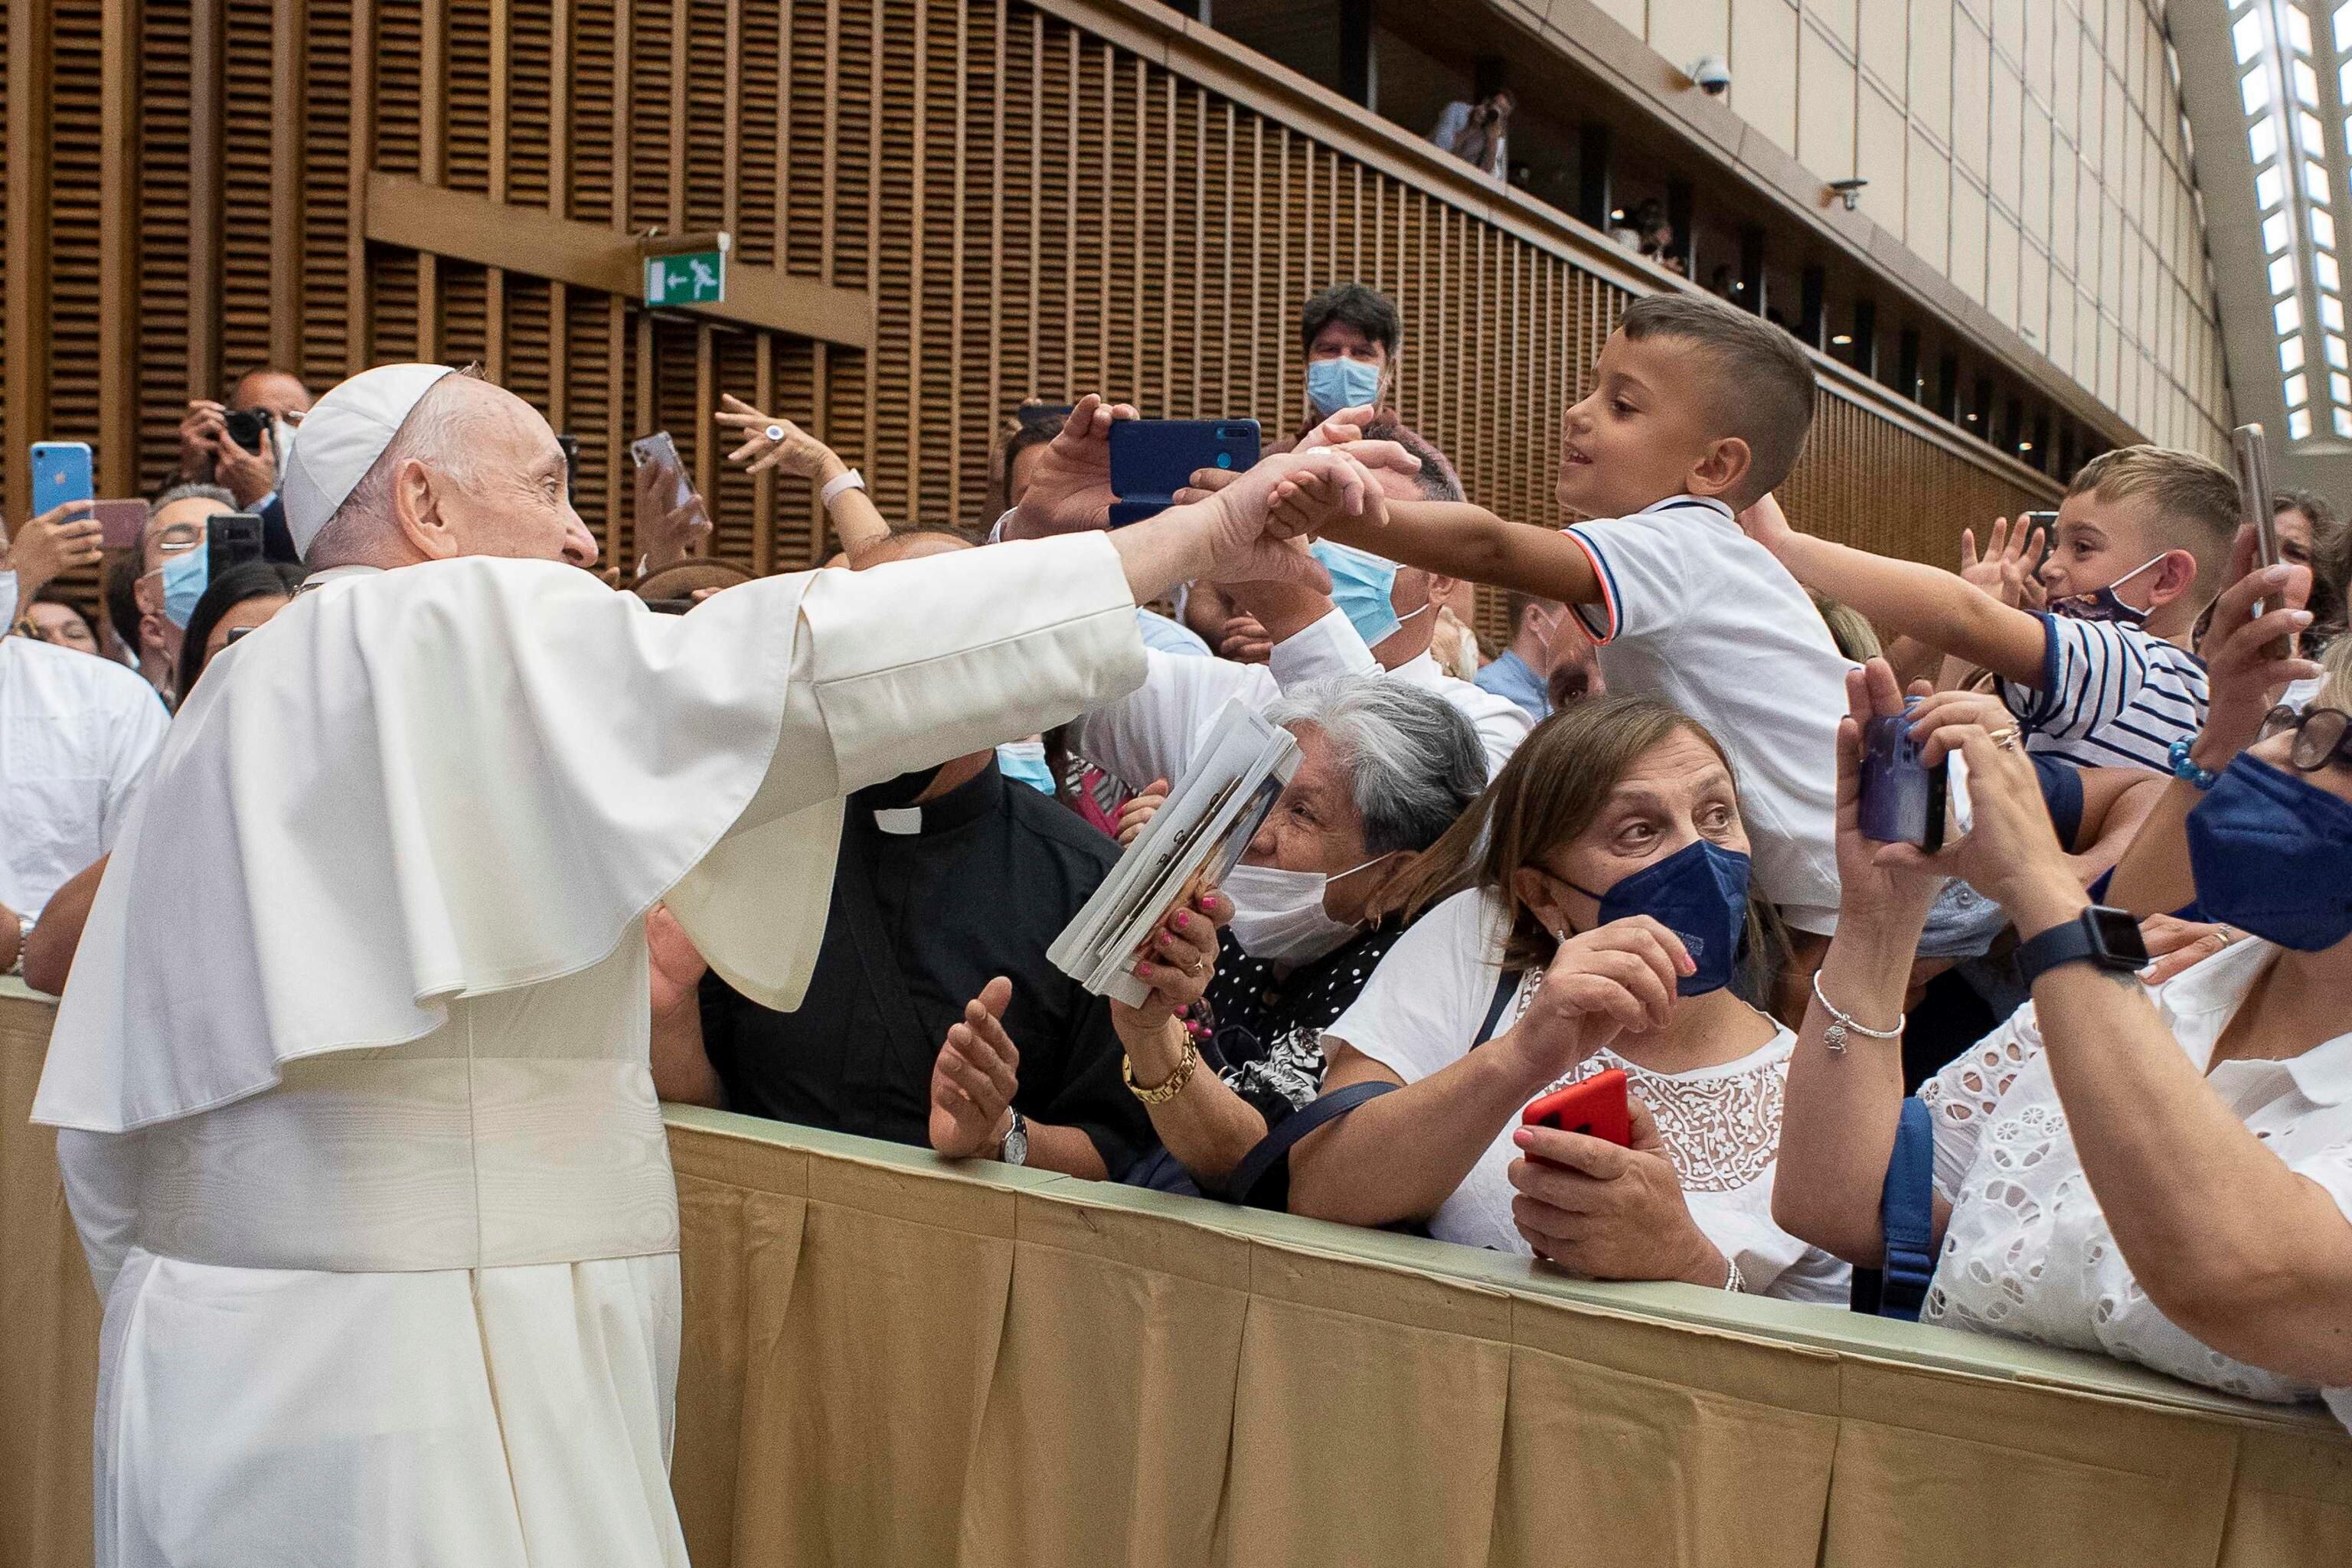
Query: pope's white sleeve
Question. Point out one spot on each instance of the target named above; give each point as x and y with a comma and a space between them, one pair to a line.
905, 664
1153, 731
101, 1172
1327, 647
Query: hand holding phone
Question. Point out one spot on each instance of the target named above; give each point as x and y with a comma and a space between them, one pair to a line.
1597, 1108
1903, 798
60, 474
1151, 459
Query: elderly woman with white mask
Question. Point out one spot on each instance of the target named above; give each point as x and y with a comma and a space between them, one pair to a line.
1228, 1047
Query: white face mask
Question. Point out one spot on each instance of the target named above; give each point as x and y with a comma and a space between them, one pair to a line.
1278, 915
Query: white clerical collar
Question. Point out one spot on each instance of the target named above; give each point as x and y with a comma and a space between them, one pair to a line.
905, 821
336, 575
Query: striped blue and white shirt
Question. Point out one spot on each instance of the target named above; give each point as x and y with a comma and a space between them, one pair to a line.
2111, 696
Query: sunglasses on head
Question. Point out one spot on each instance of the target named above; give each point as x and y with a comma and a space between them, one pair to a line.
2322, 735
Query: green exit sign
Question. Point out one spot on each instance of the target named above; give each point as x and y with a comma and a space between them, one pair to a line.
690, 278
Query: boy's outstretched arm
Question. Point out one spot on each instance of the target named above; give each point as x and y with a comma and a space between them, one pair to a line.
1453, 538
1941, 610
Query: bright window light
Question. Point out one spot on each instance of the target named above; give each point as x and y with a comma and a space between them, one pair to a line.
2298, 29
2336, 356
2339, 388
2322, 230
2343, 24
2323, 267
2291, 353
2314, 140
2262, 139
2275, 233
2281, 274
2307, 85
2298, 424
2270, 187
2298, 391
2287, 314
2254, 89
2315, 183
2343, 420
2246, 38
2331, 312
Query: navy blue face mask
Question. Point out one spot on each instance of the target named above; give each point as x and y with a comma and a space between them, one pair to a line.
1700, 893
2273, 855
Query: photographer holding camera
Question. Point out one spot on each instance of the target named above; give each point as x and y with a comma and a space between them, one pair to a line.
239, 444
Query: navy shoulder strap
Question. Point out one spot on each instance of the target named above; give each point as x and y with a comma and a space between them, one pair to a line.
1906, 1214
1507, 986
1254, 1182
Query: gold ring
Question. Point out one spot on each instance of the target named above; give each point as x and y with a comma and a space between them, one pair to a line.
2006, 739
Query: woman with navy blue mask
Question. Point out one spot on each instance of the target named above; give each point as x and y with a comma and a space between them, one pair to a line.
2164, 1173
1587, 914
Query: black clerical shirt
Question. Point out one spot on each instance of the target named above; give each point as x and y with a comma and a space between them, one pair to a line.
971, 885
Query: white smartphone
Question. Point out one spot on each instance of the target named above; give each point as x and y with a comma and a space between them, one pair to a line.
658, 451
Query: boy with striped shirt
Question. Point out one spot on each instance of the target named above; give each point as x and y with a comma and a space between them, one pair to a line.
2105, 678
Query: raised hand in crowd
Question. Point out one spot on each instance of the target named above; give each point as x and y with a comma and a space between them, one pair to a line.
2249, 663
667, 530
1069, 489
200, 431
249, 476
1137, 813
1603, 1212
2007, 570
1613, 980
771, 443
974, 1078
59, 540
1205, 1124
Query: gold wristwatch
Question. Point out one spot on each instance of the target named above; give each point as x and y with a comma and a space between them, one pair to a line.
1176, 1080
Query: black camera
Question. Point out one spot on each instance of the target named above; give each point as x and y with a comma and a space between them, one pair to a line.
245, 426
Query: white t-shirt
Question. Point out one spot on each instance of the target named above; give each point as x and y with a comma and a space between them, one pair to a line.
1332, 646
2111, 696
76, 736
1421, 1012
1697, 612
2029, 1252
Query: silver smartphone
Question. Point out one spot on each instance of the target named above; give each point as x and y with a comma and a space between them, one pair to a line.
2251, 452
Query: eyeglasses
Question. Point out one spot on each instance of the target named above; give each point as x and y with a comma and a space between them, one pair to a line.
2322, 735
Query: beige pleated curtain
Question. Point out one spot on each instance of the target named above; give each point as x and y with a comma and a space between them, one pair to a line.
889, 1363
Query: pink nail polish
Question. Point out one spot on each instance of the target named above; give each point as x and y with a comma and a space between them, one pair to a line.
1144, 972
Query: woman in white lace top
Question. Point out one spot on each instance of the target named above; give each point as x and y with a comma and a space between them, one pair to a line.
2164, 1174
1592, 904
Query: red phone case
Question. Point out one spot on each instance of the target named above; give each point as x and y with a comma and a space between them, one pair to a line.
1595, 1108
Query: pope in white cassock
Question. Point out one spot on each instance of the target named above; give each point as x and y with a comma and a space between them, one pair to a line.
351, 1078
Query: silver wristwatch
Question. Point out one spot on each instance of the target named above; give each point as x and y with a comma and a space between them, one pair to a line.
23, 935
1016, 1142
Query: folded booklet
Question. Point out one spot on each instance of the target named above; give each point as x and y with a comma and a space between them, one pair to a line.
1193, 840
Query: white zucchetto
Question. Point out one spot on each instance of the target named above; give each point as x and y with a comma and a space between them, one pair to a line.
342, 436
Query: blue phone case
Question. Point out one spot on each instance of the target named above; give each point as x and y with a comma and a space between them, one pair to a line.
1902, 797
60, 474
1151, 459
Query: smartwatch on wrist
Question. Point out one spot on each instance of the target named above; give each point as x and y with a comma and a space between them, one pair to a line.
2102, 937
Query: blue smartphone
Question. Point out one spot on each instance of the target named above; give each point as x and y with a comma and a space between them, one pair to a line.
1902, 797
60, 474
1151, 459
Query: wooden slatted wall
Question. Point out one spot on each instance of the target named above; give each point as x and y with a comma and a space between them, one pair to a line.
1034, 210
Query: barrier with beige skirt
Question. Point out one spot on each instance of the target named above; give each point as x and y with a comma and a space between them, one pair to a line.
890, 1362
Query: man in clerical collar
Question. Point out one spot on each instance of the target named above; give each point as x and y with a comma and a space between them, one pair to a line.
933, 1015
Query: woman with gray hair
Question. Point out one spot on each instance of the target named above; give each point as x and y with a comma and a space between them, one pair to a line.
1384, 770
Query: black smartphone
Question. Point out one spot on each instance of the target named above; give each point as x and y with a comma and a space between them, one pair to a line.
1902, 797
231, 539
245, 424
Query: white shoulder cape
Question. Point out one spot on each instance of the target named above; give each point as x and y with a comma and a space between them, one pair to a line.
465, 777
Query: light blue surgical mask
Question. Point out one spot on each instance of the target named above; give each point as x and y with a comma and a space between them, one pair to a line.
1343, 383
185, 577
1026, 760
1364, 586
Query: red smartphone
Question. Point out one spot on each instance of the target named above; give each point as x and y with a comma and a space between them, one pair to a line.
1595, 1108
119, 523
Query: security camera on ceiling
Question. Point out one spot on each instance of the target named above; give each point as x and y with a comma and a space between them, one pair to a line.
1711, 74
